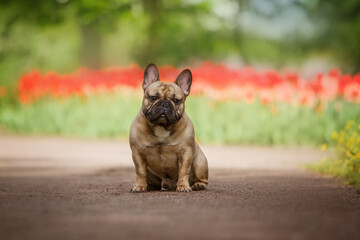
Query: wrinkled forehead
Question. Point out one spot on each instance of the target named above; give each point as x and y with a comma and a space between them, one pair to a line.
162, 89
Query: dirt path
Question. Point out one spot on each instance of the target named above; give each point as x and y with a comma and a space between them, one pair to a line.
67, 189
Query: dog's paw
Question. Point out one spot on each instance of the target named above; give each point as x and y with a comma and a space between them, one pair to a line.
183, 188
138, 189
198, 186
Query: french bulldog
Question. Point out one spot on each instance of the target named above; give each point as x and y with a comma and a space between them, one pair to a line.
162, 141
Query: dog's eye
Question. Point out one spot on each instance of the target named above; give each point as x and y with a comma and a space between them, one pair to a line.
152, 98
176, 101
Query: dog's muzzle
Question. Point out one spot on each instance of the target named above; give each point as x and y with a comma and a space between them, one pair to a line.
162, 113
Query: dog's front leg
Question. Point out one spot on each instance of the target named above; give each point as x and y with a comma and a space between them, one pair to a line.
184, 163
141, 174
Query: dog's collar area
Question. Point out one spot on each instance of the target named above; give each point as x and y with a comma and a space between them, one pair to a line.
161, 132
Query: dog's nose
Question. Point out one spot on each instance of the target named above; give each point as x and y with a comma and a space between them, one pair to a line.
164, 104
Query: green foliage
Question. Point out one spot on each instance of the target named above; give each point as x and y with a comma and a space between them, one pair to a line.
347, 163
339, 29
104, 13
76, 28
45, 50
62, 35
215, 122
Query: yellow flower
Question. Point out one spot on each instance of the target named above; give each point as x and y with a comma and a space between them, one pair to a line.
349, 124
349, 142
323, 147
348, 153
334, 135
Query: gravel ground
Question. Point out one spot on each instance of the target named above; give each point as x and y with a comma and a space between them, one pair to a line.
55, 188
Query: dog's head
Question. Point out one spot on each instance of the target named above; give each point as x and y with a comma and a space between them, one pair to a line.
164, 103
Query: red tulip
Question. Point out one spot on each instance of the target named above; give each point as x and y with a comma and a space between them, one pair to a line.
214, 80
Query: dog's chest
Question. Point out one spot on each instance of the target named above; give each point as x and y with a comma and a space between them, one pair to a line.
162, 158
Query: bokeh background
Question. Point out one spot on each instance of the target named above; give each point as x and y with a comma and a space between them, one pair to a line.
265, 72
277, 78
63, 35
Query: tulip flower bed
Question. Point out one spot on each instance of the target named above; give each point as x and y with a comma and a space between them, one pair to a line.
215, 81
226, 105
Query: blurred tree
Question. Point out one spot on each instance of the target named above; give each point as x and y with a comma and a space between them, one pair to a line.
339, 29
154, 9
238, 33
174, 28
93, 17
174, 32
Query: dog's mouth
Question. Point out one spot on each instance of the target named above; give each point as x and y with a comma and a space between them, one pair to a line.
162, 120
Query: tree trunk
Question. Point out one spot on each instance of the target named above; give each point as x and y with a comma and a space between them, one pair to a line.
238, 35
90, 49
150, 49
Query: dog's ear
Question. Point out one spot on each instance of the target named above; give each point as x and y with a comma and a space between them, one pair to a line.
184, 81
151, 75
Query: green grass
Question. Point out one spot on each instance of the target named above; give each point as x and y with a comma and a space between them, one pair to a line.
96, 117
231, 122
238, 122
